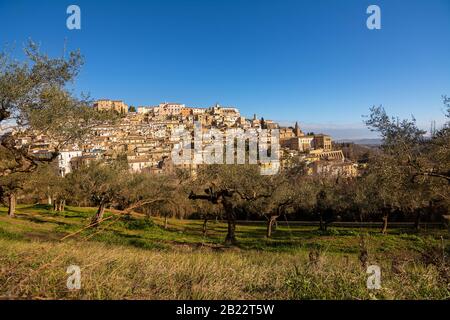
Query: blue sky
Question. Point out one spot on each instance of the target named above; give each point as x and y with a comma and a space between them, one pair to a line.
311, 61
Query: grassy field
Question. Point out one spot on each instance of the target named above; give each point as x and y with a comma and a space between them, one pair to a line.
133, 257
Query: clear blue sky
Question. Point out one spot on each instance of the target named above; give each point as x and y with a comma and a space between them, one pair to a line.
311, 61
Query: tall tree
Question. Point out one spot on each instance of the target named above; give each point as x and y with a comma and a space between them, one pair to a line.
292, 191
413, 170
229, 186
111, 184
405, 143
36, 101
98, 182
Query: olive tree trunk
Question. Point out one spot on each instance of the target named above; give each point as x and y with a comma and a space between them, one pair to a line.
99, 215
205, 226
270, 224
417, 221
62, 205
385, 223
12, 204
323, 225
230, 239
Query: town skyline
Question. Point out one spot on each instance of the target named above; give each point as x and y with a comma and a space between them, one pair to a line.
316, 63
160, 139
356, 131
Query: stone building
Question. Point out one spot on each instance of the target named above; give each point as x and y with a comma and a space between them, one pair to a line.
111, 105
322, 141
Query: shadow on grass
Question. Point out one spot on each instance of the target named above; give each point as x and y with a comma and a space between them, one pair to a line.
120, 238
41, 220
4, 234
42, 207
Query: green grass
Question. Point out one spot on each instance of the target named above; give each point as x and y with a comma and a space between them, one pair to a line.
136, 257
38, 222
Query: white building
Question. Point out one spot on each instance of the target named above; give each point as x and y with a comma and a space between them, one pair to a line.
170, 109
138, 164
198, 111
64, 160
145, 110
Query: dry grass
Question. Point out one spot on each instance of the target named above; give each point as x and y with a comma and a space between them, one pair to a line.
137, 259
120, 273
110, 272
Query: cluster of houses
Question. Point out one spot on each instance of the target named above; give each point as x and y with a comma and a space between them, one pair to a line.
144, 135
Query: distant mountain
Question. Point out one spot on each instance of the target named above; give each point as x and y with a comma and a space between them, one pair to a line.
372, 142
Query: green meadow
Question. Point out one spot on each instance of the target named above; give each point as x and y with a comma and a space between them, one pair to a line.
135, 257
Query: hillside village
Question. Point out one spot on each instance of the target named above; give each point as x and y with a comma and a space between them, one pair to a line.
145, 136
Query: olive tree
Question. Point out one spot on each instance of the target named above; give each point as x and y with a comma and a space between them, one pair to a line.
229, 186
10, 186
111, 184
35, 100
413, 170
100, 183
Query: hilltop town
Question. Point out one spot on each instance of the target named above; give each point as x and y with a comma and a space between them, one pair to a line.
144, 136
257, 155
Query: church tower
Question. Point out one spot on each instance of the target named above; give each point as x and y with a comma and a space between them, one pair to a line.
297, 131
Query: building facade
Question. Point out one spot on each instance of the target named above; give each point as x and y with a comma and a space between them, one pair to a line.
111, 105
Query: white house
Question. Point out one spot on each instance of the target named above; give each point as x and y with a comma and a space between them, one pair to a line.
64, 160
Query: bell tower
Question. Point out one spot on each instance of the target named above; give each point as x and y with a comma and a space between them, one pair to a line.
297, 131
